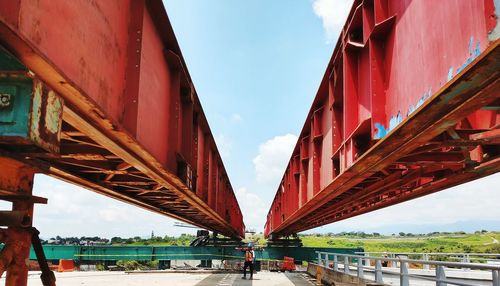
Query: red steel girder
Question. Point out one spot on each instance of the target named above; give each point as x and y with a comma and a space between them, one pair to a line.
371, 139
129, 100
476, 87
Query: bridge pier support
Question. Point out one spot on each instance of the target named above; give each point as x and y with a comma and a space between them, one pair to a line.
16, 183
16, 231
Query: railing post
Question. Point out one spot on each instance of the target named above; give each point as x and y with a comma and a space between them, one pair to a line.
426, 258
466, 259
335, 263
346, 264
319, 258
496, 278
360, 267
440, 276
394, 263
378, 271
367, 262
327, 261
404, 280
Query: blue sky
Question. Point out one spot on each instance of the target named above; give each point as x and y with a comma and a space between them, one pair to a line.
256, 66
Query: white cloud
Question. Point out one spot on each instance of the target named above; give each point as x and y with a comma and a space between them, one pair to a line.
333, 13
235, 117
114, 214
74, 211
273, 156
224, 145
253, 208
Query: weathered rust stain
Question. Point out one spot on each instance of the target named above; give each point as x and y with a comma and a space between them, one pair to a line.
35, 30
46, 117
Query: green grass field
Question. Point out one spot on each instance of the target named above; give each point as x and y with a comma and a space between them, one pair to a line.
459, 243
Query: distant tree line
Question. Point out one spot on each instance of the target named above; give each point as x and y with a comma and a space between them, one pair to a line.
182, 240
84, 240
362, 234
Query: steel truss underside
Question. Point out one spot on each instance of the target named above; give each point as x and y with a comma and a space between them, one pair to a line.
433, 149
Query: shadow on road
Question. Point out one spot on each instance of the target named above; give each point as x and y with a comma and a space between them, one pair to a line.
225, 279
300, 279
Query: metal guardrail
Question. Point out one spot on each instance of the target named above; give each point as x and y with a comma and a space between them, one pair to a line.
462, 257
358, 262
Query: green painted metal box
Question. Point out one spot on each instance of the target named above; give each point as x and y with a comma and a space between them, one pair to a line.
30, 112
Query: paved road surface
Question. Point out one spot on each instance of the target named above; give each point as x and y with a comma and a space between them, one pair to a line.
262, 278
173, 279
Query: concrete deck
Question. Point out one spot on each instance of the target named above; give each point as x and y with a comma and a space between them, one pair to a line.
106, 278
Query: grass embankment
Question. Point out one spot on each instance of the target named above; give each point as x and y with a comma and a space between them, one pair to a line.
458, 243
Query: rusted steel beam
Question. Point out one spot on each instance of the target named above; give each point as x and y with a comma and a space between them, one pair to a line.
440, 138
488, 137
129, 94
65, 176
469, 104
10, 197
156, 172
334, 215
432, 157
120, 168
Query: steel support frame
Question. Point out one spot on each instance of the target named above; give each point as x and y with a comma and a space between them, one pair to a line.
16, 179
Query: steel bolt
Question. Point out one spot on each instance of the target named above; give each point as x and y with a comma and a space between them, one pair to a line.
5, 100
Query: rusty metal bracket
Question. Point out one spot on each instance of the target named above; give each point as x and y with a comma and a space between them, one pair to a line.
8, 254
11, 197
14, 219
48, 278
16, 184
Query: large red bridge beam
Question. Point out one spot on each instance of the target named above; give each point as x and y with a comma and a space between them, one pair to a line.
133, 127
409, 105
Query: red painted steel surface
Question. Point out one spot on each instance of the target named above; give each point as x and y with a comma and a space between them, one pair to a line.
398, 65
125, 84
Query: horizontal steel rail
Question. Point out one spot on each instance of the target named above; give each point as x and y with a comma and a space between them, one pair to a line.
112, 253
362, 262
463, 257
432, 253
